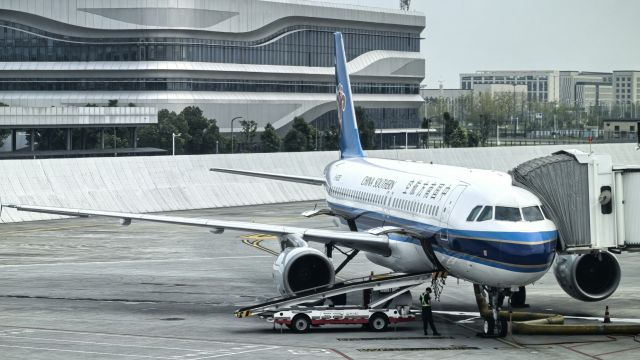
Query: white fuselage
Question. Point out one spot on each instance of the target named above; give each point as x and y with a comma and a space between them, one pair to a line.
449, 207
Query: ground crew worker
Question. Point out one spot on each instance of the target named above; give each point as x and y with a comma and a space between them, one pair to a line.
427, 315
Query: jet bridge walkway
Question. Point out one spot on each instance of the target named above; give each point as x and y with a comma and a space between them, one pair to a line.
402, 282
593, 203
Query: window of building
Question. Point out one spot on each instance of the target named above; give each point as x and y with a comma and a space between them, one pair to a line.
504, 213
308, 46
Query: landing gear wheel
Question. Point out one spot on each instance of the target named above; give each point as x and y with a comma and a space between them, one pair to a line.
489, 327
378, 322
301, 323
519, 298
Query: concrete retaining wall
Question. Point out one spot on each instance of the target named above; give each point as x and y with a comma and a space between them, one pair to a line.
166, 183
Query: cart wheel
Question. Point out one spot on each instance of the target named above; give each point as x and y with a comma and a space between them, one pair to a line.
378, 322
301, 323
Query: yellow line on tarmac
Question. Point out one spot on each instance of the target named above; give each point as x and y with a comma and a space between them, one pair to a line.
256, 244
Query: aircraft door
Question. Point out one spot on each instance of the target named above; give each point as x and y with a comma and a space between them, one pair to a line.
447, 208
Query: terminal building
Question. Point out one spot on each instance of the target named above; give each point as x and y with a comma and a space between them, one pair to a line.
267, 61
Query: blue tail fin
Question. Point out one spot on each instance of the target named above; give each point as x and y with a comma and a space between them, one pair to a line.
349, 135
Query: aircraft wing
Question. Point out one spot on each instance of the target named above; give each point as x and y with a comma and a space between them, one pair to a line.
378, 244
292, 178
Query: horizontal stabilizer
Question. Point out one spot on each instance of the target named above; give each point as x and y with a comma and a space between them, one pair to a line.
291, 178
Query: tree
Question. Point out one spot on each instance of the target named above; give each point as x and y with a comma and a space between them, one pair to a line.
270, 139
196, 127
295, 140
366, 129
426, 124
113, 103
331, 138
160, 136
450, 126
308, 131
248, 132
458, 137
3, 133
472, 139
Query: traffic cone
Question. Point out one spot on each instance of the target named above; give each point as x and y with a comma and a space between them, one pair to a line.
607, 318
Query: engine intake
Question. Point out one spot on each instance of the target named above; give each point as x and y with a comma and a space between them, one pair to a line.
300, 268
588, 277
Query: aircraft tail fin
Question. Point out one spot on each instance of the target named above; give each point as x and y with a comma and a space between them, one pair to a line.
349, 135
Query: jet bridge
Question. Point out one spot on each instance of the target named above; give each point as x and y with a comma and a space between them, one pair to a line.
594, 204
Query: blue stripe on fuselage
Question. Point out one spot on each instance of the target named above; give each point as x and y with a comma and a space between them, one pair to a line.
504, 250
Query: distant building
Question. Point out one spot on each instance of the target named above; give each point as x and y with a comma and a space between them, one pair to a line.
585, 89
449, 95
625, 85
543, 86
453, 96
620, 128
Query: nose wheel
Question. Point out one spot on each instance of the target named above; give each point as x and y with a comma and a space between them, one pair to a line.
493, 326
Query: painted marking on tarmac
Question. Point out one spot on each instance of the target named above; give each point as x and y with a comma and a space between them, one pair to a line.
477, 315
203, 352
81, 351
255, 240
260, 237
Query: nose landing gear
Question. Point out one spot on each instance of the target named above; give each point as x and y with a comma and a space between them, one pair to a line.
493, 326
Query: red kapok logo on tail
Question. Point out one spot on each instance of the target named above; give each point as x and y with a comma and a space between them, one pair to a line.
342, 103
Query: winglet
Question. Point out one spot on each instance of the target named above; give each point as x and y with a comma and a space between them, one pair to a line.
349, 136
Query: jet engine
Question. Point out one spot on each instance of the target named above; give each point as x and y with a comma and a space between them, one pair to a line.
588, 277
301, 268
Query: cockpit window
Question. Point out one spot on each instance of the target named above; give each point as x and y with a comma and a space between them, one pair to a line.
508, 213
474, 213
545, 212
532, 213
486, 214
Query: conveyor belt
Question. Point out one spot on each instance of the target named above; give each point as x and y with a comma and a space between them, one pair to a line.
315, 294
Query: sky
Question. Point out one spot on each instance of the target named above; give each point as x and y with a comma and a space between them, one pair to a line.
470, 35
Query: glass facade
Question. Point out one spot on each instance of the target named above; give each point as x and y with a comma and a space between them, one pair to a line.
383, 118
186, 84
294, 45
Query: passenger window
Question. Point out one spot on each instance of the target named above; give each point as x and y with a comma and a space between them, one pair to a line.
474, 212
486, 214
532, 213
504, 213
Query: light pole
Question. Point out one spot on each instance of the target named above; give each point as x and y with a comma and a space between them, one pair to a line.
232, 120
515, 83
173, 142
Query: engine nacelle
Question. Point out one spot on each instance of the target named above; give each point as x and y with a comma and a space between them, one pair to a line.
588, 277
301, 268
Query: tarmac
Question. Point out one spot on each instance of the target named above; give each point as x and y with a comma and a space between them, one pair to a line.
93, 289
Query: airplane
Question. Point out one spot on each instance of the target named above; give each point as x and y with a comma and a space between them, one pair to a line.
411, 217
